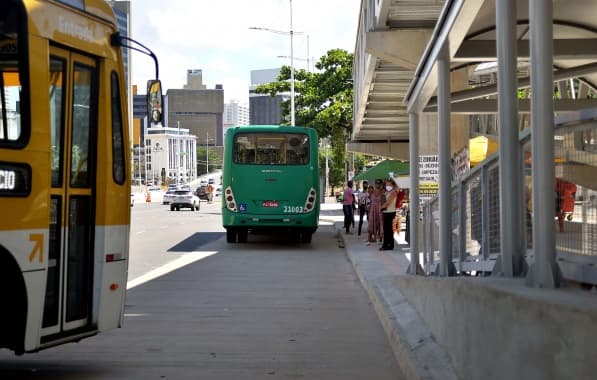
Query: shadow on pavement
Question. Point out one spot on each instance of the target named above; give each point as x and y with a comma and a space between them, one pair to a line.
193, 242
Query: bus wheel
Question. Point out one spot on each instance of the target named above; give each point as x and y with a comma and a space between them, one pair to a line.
306, 235
243, 235
230, 235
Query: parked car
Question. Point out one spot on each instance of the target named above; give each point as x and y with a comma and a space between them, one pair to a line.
184, 199
218, 191
211, 180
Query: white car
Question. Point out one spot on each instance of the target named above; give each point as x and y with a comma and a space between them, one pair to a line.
184, 199
167, 198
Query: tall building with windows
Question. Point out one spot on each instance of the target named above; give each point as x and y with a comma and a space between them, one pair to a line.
198, 109
263, 108
122, 11
236, 113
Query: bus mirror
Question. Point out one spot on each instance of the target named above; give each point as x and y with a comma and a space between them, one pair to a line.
154, 101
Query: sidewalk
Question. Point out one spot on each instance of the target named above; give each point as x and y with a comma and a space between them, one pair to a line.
416, 352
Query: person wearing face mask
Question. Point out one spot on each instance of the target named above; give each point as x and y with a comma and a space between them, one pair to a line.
388, 209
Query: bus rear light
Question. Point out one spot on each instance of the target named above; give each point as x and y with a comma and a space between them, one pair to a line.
109, 257
114, 287
230, 201
310, 202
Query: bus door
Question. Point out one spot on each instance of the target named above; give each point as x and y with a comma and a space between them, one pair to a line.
73, 94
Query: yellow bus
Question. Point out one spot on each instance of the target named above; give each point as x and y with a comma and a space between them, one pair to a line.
64, 173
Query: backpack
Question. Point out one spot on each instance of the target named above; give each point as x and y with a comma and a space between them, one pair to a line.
400, 198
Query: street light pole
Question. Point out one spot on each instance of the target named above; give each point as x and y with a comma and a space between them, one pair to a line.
291, 33
291, 70
206, 152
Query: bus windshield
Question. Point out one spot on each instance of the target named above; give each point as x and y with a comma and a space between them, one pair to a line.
10, 87
271, 149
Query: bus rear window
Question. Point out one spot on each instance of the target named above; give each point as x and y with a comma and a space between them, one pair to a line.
11, 132
271, 149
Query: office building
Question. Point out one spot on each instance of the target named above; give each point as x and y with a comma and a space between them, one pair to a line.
264, 108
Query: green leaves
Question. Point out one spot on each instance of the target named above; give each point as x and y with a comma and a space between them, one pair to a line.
323, 101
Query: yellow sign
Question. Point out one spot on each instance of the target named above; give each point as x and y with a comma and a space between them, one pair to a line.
38, 248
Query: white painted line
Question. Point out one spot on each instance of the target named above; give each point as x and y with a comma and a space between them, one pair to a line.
187, 259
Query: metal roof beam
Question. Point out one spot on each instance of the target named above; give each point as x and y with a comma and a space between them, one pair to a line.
390, 45
563, 49
573, 72
489, 106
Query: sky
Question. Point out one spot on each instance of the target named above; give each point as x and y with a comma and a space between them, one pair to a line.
214, 36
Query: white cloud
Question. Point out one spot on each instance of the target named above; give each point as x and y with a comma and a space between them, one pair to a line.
214, 36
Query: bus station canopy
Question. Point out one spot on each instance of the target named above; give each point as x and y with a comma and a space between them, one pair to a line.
383, 169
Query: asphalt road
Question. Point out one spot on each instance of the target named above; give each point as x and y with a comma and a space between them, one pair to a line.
262, 310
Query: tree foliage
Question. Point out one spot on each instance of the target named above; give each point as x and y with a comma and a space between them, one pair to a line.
323, 101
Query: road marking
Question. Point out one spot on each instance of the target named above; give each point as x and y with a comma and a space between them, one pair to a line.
187, 259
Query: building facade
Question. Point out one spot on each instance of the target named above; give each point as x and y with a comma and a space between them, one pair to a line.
264, 108
171, 155
198, 109
236, 113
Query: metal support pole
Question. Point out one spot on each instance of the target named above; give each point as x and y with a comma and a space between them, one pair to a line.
544, 271
291, 69
414, 193
446, 267
462, 226
206, 152
485, 212
511, 240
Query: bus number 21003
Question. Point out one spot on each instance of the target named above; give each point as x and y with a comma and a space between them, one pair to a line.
293, 209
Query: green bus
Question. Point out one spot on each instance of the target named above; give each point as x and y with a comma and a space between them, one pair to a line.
270, 182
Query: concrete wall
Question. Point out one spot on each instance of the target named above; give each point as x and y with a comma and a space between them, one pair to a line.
500, 329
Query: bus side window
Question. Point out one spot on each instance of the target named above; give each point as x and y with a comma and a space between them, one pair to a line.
118, 167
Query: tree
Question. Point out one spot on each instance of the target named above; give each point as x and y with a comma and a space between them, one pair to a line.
323, 101
202, 160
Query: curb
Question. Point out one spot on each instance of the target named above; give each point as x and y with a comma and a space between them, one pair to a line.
417, 353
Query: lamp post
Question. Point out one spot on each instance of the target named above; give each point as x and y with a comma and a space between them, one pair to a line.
291, 33
206, 152
291, 69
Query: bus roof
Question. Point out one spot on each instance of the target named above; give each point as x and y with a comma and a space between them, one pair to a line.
260, 128
98, 8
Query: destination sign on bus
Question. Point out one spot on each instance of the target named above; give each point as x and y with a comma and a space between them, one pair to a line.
15, 179
269, 204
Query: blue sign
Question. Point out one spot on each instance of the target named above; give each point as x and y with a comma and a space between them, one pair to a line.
242, 207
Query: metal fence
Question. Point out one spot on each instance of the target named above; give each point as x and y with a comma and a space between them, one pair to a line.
476, 209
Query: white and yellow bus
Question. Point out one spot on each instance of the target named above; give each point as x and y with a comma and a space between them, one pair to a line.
64, 173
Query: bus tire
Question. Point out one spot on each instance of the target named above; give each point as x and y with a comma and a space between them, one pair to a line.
306, 235
12, 324
243, 235
230, 235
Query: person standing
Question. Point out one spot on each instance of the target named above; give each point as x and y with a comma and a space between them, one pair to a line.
374, 216
363, 202
210, 193
388, 209
348, 203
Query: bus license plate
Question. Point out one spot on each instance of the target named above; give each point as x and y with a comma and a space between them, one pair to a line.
269, 204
